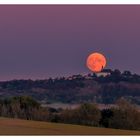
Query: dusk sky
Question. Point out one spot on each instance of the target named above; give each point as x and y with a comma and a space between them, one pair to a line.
45, 41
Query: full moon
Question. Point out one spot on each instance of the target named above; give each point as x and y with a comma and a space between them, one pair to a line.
96, 62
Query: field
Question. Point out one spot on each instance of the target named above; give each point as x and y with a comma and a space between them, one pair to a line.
24, 127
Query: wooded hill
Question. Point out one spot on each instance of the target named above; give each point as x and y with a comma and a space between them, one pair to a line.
77, 88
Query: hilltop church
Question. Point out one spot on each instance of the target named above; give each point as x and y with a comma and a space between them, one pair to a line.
104, 73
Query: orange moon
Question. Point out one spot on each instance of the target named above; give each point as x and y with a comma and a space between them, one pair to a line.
96, 62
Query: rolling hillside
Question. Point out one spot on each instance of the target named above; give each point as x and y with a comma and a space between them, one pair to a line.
24, 127
77, 88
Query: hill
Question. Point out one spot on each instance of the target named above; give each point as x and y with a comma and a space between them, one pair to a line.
23, 127
77, 88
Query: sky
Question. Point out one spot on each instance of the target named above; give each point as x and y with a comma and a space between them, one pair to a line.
42, 41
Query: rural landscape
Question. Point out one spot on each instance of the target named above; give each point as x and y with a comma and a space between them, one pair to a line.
112, 102
69, 70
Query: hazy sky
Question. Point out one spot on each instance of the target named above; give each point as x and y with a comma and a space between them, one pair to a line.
49, 41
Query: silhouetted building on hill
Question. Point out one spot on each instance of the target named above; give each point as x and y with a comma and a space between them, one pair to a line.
104, 73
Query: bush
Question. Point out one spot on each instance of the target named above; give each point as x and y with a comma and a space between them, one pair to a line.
86, 114
126, 116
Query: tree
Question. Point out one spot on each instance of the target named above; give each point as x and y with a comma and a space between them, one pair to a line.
127, 73
86, 114
106, 115
126, 116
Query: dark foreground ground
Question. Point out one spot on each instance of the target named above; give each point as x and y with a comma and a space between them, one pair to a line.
24, 127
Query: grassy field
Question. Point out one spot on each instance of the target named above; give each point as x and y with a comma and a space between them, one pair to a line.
24, 127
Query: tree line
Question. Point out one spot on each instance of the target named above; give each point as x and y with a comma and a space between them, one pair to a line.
74, 81
123, 116
77, 88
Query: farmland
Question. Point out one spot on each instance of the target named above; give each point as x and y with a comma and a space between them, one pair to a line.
27, 127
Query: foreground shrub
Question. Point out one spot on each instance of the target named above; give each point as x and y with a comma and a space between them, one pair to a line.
86, 114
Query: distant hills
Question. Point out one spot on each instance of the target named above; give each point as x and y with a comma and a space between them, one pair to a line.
100, 88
